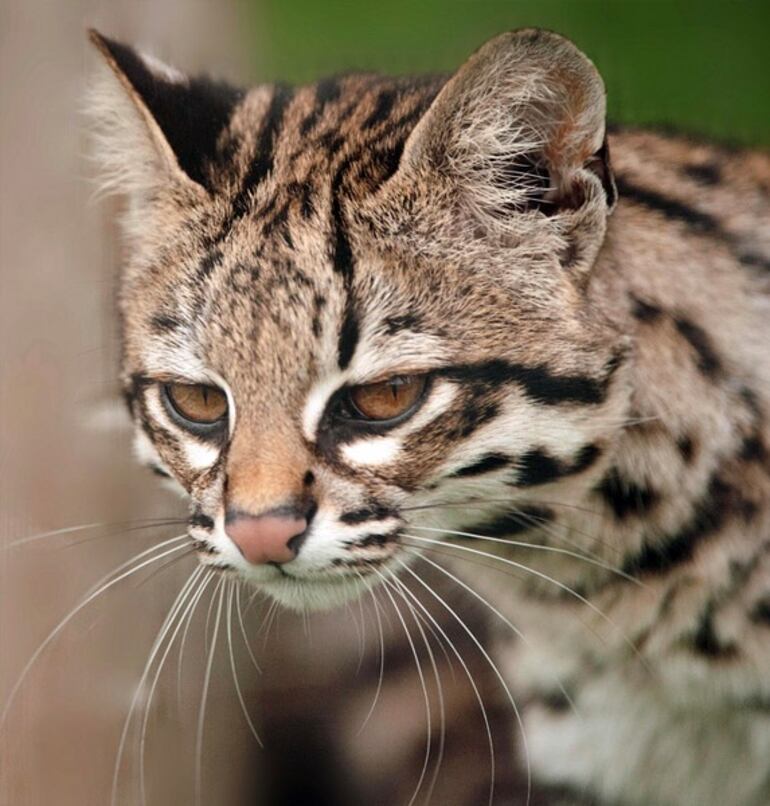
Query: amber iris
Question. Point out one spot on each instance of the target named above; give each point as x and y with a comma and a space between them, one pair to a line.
389, 399
197, 403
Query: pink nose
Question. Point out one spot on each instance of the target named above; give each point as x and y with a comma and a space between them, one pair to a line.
268, 538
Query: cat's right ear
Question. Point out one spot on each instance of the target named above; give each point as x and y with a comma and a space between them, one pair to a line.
153, 125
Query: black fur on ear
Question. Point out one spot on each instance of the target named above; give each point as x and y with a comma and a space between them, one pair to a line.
184, 116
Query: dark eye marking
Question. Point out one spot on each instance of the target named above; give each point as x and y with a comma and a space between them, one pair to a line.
375, 539
539, 467
201, 521
626, 497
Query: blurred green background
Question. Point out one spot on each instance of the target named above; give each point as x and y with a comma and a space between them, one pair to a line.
702, 67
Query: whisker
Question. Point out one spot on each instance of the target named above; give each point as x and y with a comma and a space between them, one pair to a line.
187, 618
246, 641
536, 546
492, 665
473, 684
426, 760
204, 696
497, 612
547, 578
175, 609
102, 588
84, 527
439, 690
382, 663
229, 612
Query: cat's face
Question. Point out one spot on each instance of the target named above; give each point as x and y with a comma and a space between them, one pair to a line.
358, 307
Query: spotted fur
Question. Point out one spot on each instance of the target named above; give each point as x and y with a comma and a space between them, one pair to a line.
594, 335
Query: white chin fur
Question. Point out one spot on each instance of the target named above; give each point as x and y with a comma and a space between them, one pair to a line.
304, 594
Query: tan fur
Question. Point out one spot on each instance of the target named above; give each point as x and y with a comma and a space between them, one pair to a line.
598, 401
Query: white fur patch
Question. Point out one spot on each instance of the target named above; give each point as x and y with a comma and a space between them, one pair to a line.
372, 451
316, 403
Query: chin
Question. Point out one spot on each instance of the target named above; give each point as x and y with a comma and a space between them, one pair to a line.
320, 593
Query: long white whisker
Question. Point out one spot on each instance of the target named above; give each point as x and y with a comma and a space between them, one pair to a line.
204, 696
175, 609
474, 686
492, 665
522, 544
229, 611
84, 603
187, 618
497, 612
243, 629
382, 663
426, 760
541, 575
439, 688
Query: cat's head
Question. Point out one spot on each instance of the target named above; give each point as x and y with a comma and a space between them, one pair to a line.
357, 306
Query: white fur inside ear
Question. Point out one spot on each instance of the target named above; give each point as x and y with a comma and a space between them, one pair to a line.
128, 160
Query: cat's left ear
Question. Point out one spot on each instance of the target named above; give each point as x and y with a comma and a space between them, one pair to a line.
153, 124
519, 127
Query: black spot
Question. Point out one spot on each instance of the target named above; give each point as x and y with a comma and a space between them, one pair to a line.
159, 471
191, 114
374, 512
753, 450
537, 467
625, 497
306, 207
308, 478
348, 339
587, 456
645, 311
201, 521
382, 108
407, 321
754, 260
163, 323
720, 502
670, 208
570, 254
708, 361
686, 447
705, 173
210, 261
760, 612
376, 539
486, 464
555, 701
705, 640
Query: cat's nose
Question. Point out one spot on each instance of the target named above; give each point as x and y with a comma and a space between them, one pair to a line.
272, 537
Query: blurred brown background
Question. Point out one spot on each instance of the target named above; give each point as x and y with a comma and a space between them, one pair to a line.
64, 440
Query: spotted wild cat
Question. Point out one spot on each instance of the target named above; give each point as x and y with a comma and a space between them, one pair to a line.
378, 325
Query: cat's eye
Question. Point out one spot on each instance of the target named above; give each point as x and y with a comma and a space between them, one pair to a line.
197, 403
387, 400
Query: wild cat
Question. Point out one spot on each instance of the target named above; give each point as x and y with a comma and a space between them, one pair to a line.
374, 318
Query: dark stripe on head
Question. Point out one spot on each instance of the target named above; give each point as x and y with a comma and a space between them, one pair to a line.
486, 464
265, 149
626, 498
210, 261
382, 108
670, 208
538, 382
348, 338
407, 321
327, 91
708, 361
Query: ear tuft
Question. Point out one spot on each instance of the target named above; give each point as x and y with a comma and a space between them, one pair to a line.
153, 124
518, 126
